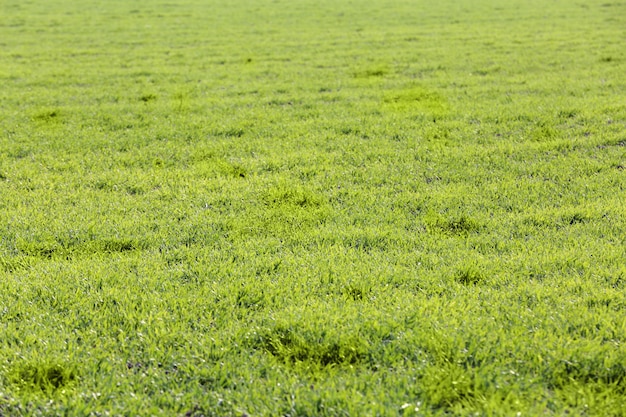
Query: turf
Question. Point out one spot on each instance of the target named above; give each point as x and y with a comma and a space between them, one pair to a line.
312, 208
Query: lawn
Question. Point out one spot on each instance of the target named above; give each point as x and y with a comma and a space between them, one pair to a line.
312, 208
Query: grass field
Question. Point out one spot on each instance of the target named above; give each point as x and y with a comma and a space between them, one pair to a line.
312, 208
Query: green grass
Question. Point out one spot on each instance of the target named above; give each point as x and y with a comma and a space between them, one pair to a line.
310, 208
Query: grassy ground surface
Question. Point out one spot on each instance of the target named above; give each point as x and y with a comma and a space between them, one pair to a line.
312, 208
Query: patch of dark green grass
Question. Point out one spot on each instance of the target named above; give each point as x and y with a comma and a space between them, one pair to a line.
231, 132
47, 115
39, 248
18, 152
378, 71
617, 280
188, 277
469, 275
43, 377
349, 130
147, 98
574, 218
233, 170
368, 241
250, 297
317, 347
116, 245
356, 292
454, 225
567, 114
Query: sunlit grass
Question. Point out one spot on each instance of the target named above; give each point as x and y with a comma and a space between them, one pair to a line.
312, 208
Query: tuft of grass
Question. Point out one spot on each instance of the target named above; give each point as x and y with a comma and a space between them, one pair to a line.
15, 263
575, 218
356, 292
44, 377
250, 297
376, 71
447, 385
318, 347
617, 280
418, 98
113, 245
230, 132
147, 98
455, 225
39, 248
469, 275
47, 115
292, 194
233, 170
